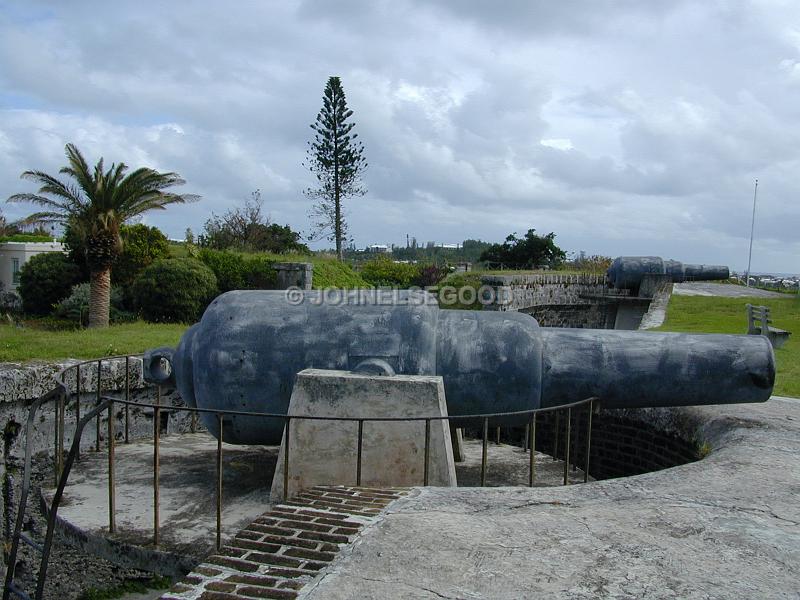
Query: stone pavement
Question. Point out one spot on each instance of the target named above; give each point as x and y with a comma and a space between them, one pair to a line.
705, 288
727, 526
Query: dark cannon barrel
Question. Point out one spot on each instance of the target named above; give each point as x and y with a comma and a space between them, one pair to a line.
626, 272
249, 345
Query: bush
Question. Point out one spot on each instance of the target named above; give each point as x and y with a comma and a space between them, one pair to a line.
430, 275
259, 274
240, 271
10, 302
75, 307
44, 280
384, 272
530, 252
331, 273
141, 247
458, 281
174, 290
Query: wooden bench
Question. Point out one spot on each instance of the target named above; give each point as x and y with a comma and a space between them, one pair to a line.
758, 323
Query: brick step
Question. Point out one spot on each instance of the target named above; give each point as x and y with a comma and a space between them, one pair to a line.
281, 551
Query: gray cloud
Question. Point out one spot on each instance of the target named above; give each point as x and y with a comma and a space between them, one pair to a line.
625, 127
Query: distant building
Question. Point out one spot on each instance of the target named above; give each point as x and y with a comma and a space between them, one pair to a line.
449, 246
379, 248
15, 254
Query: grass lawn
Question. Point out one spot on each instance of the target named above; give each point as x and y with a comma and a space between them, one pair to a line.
32, 343
702, 314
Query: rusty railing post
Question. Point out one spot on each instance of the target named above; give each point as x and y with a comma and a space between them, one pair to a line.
588, 442
63, 400
532, 449
556, 428
576, 443
286, 459
156, 461
566, 446
55, 443
112, 525
484, 450
127, 397
219, 481
97, 403
427, 452
78, 403
358, 451
525, 439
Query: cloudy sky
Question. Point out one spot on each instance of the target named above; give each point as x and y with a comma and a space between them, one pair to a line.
625, 127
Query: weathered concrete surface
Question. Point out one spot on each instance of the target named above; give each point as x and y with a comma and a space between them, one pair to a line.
725, 527
187, 494
510, 465
703, 288
325, 452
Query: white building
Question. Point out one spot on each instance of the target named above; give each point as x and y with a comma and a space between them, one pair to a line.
15, 254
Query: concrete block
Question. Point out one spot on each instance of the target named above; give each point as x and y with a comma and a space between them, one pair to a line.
294, 275
325, 452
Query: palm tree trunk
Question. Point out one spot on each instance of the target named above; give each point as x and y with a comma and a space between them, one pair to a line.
99, 297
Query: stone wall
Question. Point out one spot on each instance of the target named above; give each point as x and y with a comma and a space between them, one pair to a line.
521, 291
593, 316
627, 442
20, 385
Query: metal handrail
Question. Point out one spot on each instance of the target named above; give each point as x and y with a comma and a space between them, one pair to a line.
103, 403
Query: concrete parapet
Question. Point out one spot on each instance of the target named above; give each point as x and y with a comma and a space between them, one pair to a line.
325, 452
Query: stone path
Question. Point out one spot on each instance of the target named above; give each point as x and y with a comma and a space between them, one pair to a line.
727, 290
284, 549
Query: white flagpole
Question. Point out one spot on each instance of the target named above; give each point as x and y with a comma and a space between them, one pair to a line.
752, 227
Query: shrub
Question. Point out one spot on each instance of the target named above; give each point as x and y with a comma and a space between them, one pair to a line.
174, 290
240, 271
141, 247
458, 281
331, 273
384, 272
44, 280
10, 302
430, 275
529, 252
259, 274
75, 307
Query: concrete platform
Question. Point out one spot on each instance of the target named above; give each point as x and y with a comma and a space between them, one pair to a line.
727, 290
724, 527
188, 493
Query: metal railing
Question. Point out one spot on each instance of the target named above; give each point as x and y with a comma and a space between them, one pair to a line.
104, 403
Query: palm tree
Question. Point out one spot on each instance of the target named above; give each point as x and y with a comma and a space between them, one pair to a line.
94, 205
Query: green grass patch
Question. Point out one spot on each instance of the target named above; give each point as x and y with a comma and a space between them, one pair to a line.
25, 237
563, 271
35, 342
703, 314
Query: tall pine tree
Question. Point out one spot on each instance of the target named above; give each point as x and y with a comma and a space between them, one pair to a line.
337, 160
